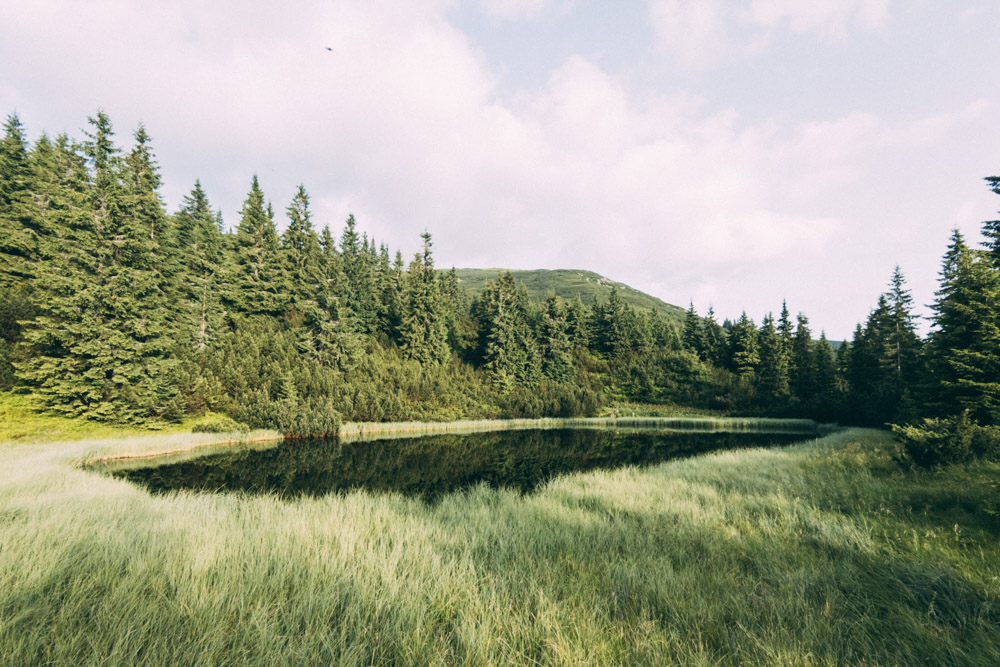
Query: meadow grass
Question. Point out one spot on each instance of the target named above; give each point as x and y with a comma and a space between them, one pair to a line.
22, 419
820, 553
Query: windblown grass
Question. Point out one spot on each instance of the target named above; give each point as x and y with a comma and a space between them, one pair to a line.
825, 552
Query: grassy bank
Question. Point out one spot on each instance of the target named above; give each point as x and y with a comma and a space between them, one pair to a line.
819, 553
23, 420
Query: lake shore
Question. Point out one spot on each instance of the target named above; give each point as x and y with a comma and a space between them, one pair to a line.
360, 431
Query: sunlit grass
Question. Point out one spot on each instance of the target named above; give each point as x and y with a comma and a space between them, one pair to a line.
826, 552
23, 420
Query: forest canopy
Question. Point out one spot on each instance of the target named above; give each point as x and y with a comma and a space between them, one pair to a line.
114, 309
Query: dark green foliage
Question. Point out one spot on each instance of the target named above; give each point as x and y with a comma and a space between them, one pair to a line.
803, 361
303, 273
951, 440
112, 309
669, 376
258, 277
693, 336
549, 400
198, 246
828, 394
220, 425
715, 340
102, 347
991, 228
886, 365
390, 302
16, 307
577, 324
555, 346
614, 328
507, 347
772, 374
20, 231
744, 352
359, 278
424, 330
965, 345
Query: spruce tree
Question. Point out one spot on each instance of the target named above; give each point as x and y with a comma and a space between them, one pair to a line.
19, 230
785, 328
425, 330
21, 245
965, 345
392, 301
693, 336
715, 339
803, 361
360, 290
303, 256
198, 244
104, 348
615, 328
461, 329
333, 291
904, 346
991, 228
744, 352
827, 395
578, 324
507, 346
257, 278
772, 372
557, 362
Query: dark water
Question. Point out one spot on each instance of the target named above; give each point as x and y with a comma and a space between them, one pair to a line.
430, 466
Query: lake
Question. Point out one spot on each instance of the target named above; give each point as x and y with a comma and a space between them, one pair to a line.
432, 465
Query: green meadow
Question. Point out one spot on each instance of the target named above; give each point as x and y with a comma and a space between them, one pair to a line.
826, 552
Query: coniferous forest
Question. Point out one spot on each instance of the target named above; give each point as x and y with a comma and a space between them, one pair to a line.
113, 308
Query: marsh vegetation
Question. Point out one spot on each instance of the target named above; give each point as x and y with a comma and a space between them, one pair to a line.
824, 552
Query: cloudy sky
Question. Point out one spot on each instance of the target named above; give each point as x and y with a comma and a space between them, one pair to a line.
731, 152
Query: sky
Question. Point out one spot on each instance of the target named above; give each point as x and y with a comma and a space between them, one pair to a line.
728, 153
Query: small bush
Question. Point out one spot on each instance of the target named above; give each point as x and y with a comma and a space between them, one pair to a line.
291, 415
946, 441
220, 425
549, 400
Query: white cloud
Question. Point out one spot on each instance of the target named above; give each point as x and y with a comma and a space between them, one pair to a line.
403, 122
822, 16
701, 32
513, 10
694, 31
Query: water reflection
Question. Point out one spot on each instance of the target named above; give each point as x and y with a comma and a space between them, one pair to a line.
433, 465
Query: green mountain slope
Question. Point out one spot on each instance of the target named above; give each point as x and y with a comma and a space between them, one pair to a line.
568, 283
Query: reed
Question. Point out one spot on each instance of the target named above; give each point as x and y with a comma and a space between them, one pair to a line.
355, 431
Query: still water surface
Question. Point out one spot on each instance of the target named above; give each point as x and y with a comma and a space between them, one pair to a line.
433, 465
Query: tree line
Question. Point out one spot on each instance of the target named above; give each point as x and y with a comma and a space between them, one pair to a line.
111, 308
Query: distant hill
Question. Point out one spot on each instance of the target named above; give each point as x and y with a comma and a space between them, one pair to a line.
568, 283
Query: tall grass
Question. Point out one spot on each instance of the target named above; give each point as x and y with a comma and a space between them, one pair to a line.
355, 431
825, 552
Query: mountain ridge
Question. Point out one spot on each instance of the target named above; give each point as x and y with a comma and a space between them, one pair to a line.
568, 284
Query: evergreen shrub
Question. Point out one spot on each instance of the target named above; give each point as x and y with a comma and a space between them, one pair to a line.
220, 425
950, 440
